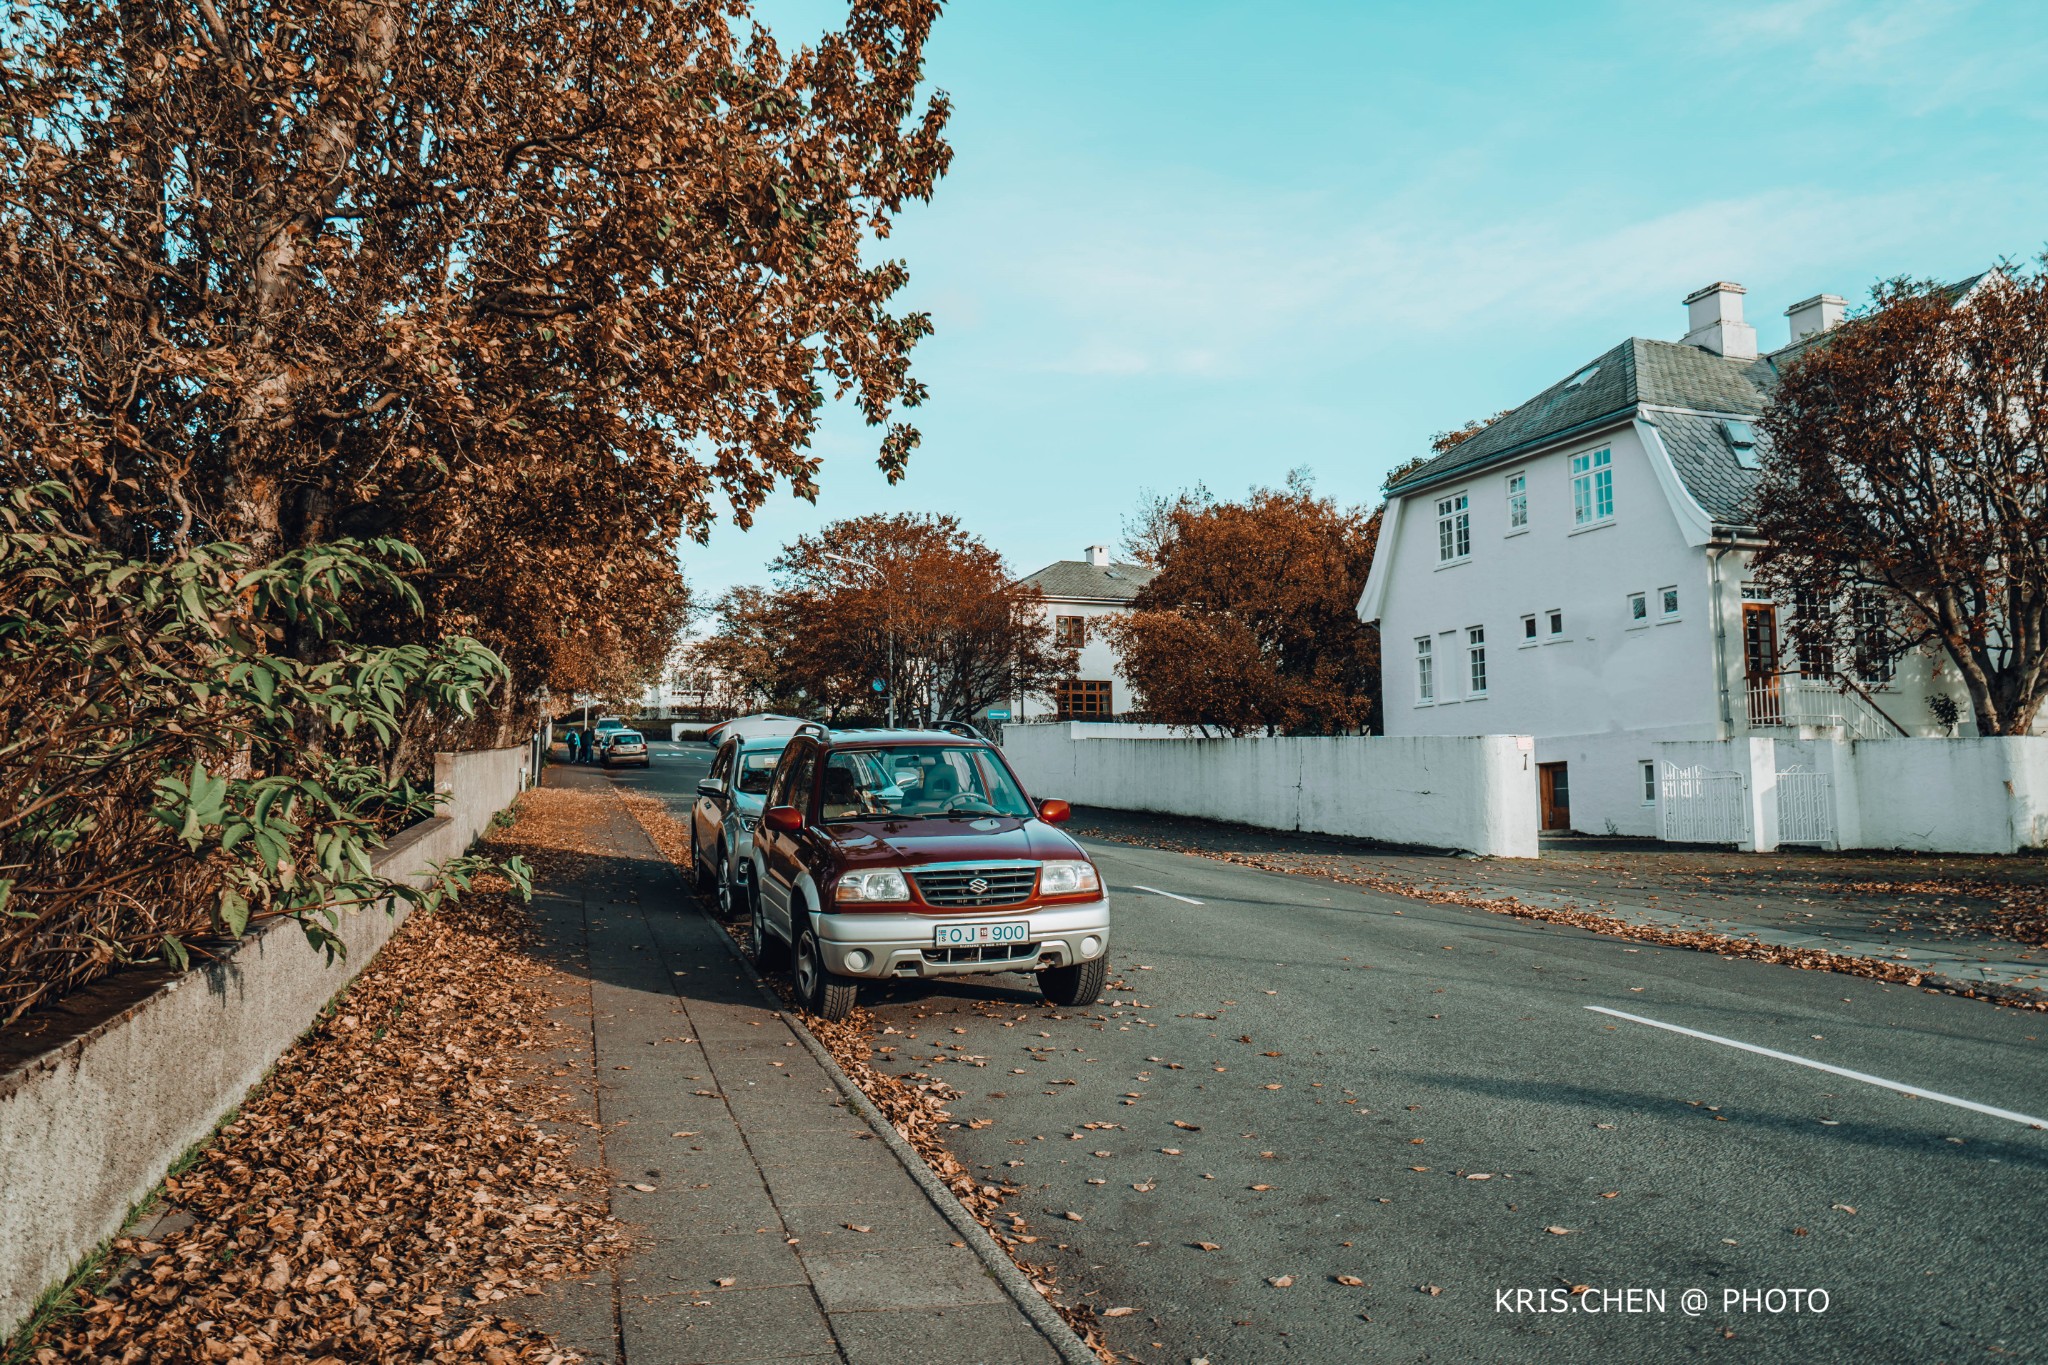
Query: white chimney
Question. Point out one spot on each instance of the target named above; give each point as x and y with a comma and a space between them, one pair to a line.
1098, 555
1820, 313
1715, 316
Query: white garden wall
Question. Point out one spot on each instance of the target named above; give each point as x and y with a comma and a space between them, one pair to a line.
1472, 793
89, 1125
1953, 795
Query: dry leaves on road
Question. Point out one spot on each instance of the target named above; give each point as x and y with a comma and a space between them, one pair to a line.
390, 1193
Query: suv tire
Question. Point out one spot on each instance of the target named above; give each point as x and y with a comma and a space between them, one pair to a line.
821, 991
701, 882
1075, 986
769, 952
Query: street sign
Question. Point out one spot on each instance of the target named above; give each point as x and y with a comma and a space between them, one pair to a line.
998, 713
879, 685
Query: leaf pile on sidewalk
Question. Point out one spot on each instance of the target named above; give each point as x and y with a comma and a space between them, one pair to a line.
390, 1194
916, 1109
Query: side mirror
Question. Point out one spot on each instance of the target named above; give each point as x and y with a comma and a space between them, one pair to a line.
783, 819
710, 786
1054, 812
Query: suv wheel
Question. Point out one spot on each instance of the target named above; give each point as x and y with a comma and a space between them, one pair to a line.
700, 878
1080, 984
769, 952
819, 990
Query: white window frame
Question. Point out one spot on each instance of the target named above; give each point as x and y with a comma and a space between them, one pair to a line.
1668, 603
1453, 528
1425, 672
1553, 621
1529, 635
1593, 487
1638, 609
1518, 502
1475, 662
1649, 767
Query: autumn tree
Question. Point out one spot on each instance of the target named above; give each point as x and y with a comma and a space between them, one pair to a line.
1904, 492
1148, 529
913, 601
537, 286
1251, 623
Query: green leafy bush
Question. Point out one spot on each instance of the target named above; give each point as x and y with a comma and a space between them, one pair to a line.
195, 745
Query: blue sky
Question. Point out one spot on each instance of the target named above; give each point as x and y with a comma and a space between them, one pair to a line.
1213, 239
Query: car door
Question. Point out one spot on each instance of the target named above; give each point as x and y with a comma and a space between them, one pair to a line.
782, 860
707, 812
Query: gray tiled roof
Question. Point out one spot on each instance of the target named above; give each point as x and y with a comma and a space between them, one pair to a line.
1093, 582
1705, 461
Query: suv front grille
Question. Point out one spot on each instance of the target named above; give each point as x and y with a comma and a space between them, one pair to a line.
958, 885
995, 952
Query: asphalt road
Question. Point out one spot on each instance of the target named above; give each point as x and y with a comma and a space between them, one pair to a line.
1325, 1042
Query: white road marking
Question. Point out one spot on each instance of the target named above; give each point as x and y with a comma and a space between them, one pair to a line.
1912, 1091
1168, 894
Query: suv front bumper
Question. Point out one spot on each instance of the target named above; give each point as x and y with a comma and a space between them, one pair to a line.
883, 944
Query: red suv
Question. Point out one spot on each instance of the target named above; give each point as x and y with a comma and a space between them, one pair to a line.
916, 853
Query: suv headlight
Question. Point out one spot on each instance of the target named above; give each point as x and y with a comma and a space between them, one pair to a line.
887, 884
750, 823
1067, 879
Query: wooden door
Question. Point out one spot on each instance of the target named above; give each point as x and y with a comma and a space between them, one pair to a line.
1760, 662
1553, 784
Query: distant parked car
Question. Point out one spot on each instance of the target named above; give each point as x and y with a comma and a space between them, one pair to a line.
624, 746
758, 726
894, 853
726, 813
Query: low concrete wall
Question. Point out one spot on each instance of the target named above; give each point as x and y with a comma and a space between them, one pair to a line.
1477, 794
1952, 795
142, 1067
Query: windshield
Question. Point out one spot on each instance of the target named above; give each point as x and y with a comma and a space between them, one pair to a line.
755, 770
920, 781
627, 737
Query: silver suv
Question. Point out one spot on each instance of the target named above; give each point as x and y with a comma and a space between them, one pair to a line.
725, 814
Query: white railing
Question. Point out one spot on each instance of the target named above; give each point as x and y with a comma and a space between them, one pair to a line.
1792, 701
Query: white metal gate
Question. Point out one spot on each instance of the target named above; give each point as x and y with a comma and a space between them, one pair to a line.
1806, 807
1702, 805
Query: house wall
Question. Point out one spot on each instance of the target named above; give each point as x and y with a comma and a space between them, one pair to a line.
1472, 793
1595, 697
1953, 795
88, 1126
1097, 660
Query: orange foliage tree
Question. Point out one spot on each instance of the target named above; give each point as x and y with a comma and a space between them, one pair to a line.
1252, 624
535, 285
913, 601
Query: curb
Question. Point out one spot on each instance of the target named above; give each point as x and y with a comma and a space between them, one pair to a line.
1072, 1350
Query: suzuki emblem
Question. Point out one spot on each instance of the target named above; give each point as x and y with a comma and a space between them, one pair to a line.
978, 885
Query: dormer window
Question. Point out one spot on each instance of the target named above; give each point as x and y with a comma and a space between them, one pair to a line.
1581, 377
1742, 440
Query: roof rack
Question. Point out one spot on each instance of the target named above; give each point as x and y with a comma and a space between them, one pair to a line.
810, 726
960, 727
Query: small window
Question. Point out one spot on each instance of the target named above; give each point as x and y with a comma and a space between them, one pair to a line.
1528, 627
1518, 501
1082, 699
1069, 632
1649, 783
1582, 376
1453, 528
1425, 672
1669, 598
1556, 622
1592, 487
1741, 440
1638, 608
1475, 655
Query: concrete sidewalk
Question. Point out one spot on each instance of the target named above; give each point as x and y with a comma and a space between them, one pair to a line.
771, 1221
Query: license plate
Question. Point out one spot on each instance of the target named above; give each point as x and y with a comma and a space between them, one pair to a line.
974, 935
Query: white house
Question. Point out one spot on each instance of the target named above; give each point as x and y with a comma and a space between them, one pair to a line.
1079, 593
1577, 571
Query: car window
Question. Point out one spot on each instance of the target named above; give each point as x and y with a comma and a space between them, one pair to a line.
755, 770
920, 781
627, 737
721, 766
793, 779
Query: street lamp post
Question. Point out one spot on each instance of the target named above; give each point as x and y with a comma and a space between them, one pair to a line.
888, 626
